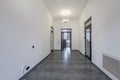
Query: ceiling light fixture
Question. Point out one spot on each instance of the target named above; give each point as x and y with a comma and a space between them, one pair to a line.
65, 14
65, 20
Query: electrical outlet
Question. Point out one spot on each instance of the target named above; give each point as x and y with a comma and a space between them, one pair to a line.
27, 68
33, 46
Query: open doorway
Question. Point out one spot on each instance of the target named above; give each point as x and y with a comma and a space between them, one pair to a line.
88, 40
66, 39
52, 39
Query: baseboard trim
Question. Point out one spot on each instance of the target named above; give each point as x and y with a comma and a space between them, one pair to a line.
94, 64
35, 66
57, 50
100, 70
81, 52
74, 50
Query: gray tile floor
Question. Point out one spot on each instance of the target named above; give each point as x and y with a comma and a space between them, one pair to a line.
65, 66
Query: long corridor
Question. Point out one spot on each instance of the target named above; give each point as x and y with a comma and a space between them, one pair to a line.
65, 66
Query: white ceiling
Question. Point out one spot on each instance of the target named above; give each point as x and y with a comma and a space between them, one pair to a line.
74, 6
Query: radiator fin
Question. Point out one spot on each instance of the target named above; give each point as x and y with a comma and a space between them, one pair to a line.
112, 65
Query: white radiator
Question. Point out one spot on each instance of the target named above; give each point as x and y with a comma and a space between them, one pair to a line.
112, 65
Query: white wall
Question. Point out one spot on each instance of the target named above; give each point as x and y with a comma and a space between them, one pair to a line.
23, 23
58, 25
105, 30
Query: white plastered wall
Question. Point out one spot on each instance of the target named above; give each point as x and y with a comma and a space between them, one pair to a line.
23, 23
105, 30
